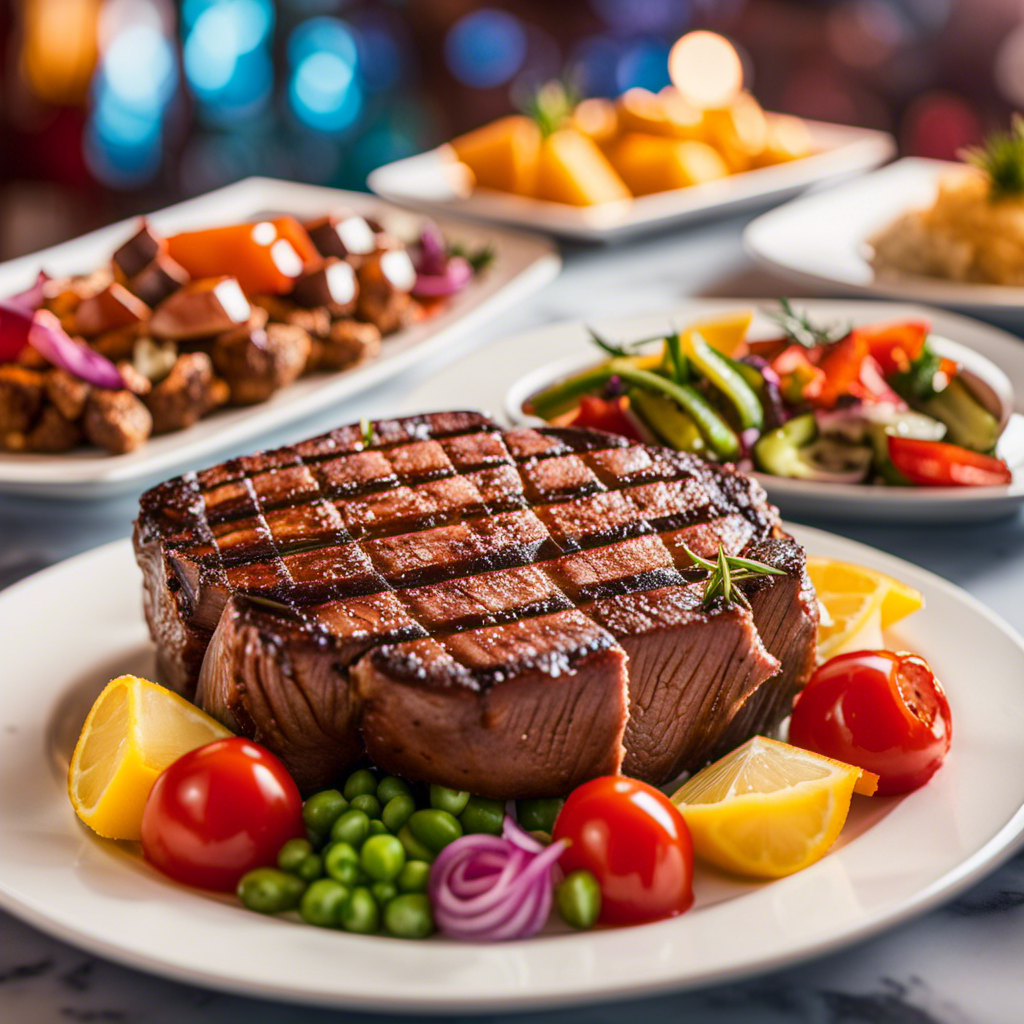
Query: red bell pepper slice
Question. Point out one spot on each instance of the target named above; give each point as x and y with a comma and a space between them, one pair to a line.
938, 464
608, 415
896, 345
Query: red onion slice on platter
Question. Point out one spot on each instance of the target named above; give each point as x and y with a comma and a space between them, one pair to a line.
51, 341
456, 275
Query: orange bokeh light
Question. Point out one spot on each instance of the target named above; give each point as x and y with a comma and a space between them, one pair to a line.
706, 70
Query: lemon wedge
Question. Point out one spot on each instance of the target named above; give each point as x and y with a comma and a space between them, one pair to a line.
859, 603
725, 333
769, 809
134, 730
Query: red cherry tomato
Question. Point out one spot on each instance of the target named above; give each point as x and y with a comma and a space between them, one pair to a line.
879, 710
609, 416
220, 811
635, 842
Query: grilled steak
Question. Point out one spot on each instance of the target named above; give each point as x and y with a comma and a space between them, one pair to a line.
510, 612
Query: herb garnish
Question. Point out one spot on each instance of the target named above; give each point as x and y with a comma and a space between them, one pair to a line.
726, 571
479, 259
1001, 158
369, 434
799, 328
551, 105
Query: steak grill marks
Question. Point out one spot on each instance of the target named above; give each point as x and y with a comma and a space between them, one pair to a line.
467, 527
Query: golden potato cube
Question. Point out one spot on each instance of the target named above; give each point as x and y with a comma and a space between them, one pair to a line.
652, 163
665, 113
572, 169
502, 155
738, 132
789, 138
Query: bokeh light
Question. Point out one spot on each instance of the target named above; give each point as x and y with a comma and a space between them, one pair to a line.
486, 48
324, 89
644, 64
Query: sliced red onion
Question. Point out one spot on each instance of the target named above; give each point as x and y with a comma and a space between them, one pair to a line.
15, 323
489, 888
31, 298
433, 251
456, 275
50, 340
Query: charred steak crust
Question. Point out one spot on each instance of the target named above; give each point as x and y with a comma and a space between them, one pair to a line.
509, 611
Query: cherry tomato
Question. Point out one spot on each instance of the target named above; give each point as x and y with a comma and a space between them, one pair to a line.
220, 811
882, 711
607, 415
938, 464
635, 842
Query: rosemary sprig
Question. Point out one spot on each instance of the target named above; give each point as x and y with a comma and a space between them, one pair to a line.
1001, 158
726, 571
551, 105
369, 434
799, 328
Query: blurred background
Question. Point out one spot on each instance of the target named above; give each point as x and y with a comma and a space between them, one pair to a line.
113, 107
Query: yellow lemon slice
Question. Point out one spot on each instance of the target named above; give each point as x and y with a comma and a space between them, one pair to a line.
726, 332
769, 809
133, 732
859, 603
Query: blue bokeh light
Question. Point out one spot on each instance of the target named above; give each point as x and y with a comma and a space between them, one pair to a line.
644, 64
329, 35
485, 48
324, 90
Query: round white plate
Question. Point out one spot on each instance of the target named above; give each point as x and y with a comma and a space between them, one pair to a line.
70, 628
820, 240
518, 367
432, 181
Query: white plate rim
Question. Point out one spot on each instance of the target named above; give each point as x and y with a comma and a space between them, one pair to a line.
995, 848
844, 150
525, 263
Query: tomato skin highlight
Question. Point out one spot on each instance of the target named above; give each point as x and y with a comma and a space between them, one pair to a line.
635, 843
219, 811
879, 710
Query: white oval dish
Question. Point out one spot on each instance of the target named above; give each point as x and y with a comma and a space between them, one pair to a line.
896, 857
992, 355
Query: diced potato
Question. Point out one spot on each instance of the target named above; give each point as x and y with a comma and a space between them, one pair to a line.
666, 113
652, 163
502, 155
789, 138
739, 132
598, 119
572, 169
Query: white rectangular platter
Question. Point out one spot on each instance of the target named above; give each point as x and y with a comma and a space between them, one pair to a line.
523, 264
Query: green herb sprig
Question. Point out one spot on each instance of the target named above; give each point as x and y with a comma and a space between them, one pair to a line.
1001, 159
799, 328
479, 259
726, 571
369, 434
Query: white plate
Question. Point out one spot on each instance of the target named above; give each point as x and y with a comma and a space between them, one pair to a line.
795, 497
431, 181
523, 264
820, 240
896, 858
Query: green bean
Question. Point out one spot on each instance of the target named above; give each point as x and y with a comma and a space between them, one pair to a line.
322, 903
435, 829
360, 782
414, 876
293, 853
451, 800
391, 786
360, 913
382, 858
352, 827
578, 898
414, 849
483, 815
397, 811
730, 382
384, 892
409, 916
322, 810
270, 891
539, 815
378, 828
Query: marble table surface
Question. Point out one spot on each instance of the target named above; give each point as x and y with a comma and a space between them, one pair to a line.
957, 965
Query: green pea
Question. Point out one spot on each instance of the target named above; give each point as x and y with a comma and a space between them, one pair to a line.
311, 868
378, 828
359, 783
435, 829
322, 810
539, 815
397, 811
578, 898
269, 891
382, 858
322, 903
368, 804
409, 917
352, 827
391, 786
414, 849
384, 892
360, 913
293, 853
414, 876
342, 863
483, 815
451, 800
